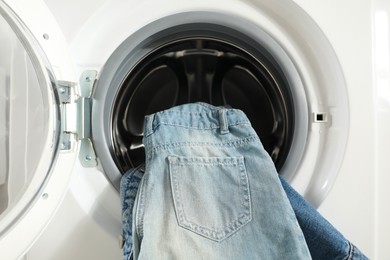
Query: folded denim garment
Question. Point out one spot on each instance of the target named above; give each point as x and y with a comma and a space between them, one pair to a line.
323, 240
210, 190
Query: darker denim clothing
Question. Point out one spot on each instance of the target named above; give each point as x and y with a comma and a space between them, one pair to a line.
128, 191
323, 240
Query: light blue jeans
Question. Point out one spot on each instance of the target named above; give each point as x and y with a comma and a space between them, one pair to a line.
323, 240
209, 191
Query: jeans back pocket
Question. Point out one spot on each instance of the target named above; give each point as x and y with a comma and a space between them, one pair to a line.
211, 194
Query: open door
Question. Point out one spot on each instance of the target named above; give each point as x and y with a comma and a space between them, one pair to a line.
34, 167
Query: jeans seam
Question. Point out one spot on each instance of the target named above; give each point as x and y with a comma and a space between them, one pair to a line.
139, 209
235, 143
350, 251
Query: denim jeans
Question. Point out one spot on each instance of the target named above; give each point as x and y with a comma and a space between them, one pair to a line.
323, 240
128, 191
209, 191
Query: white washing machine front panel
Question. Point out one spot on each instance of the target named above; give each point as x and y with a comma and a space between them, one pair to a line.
356, 204
341, 164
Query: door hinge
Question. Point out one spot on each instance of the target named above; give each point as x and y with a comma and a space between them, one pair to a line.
76, 113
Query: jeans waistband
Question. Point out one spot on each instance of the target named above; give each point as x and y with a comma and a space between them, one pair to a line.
196, 116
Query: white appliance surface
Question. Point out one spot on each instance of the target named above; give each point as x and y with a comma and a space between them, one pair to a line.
87, 224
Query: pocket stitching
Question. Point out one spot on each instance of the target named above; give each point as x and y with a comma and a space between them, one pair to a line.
220, 233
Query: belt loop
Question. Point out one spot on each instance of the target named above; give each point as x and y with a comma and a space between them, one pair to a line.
223, 124
149, 125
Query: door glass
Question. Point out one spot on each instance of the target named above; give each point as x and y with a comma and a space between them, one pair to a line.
26, 112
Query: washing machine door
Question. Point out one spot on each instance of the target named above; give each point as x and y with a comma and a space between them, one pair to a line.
36, 158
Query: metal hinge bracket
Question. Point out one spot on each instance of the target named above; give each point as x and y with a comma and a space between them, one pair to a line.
76, 112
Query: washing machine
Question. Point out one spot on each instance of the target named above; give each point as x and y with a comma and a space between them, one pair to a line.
77, 78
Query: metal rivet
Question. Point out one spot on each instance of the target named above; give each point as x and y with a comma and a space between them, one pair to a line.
88, 158
45, 196
46, 36
62, 90
87, 79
